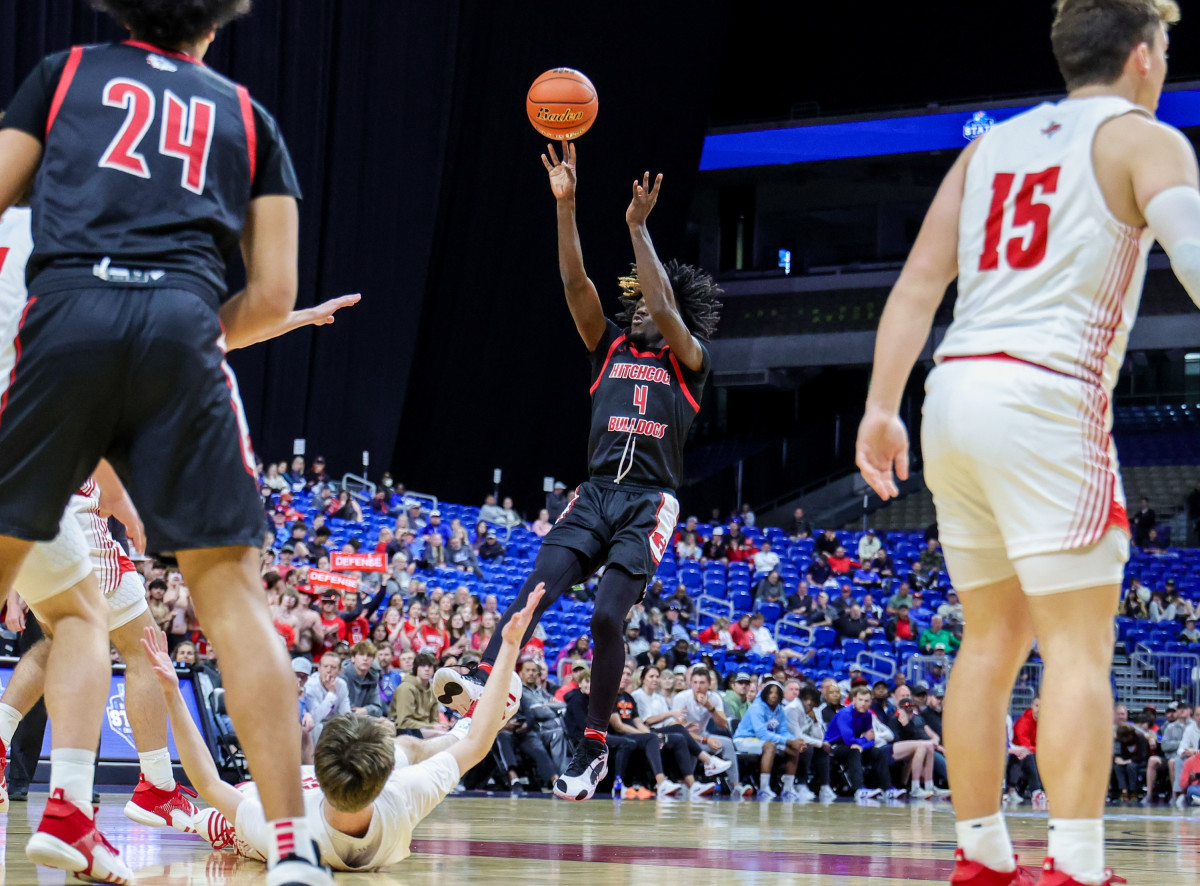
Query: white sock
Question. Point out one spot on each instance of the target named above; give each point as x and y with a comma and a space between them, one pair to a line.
1077, 847
764, 782
10, 719
72, 770
290, 836
928, 785
789, 782
156, 766
986, 841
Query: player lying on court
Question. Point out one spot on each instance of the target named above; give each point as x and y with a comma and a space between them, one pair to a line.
370, 789
648, 376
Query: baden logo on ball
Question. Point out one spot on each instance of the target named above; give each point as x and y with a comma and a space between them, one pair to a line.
562, 104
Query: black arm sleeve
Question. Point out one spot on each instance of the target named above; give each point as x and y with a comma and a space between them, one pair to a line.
274, 173
30, 108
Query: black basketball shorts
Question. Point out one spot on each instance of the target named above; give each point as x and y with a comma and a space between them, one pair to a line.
136, 376
618, 525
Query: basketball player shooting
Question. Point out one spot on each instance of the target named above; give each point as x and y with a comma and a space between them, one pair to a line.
1046, 222
647, 379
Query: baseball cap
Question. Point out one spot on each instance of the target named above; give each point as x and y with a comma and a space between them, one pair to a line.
435, 513
1173, 706
939, 691
855, 668
718, 530
680, 669
941, 646
329, 595
870, 532
559, 484
921, 687
302, 666
741, 677
579, 666
860, 681
491, 533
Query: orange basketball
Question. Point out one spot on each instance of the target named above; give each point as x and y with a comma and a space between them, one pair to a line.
562, 104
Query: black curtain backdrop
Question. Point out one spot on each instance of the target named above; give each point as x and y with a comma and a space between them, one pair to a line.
424, 191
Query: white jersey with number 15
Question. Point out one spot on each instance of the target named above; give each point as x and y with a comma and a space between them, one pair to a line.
1047, 274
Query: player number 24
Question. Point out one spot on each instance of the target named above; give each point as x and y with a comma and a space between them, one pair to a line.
185, 133
1026, 251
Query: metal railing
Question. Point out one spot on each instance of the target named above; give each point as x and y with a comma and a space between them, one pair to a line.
791, 631
919, 668
1027, 687
359, 487
1177, 675
712, 608
875, 666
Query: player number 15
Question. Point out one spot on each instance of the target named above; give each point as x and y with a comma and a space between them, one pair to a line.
1026, 251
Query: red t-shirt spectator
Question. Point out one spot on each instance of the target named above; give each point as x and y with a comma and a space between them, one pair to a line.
742, 552
435, 640
332, 637
358, 630
710, 636
742, 639
842, 565
1025, 731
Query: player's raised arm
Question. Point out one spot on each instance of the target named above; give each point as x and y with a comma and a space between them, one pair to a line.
270, 249
903, 330
582, 297
193, 753
653, 281
486, 720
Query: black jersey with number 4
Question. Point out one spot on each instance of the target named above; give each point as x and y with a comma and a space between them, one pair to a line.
643, 404
149, 161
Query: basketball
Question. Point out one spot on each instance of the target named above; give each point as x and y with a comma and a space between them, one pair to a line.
562, 104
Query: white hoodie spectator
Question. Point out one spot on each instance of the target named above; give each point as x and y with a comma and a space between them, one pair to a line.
868, 546
766, 560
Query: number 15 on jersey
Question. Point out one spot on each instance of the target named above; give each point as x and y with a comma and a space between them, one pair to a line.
1029, 248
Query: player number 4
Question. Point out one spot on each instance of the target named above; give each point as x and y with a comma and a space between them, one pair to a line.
185, 133
1026, 251
641, 395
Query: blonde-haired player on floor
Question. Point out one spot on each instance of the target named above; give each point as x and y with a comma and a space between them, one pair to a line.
370, 790
1046, 222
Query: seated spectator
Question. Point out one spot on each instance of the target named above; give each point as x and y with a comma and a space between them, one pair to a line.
741, 634
902, 627
951, 611
1189, 634
295, 478
868, 577
1022, 772
872, 611
868, 546
687, 548
919, 577
764, 730
508, 514
491, 551
462, 558
1130, 755
738, 548
882, 563
852, 624
362, 680
689, 526
840, 563
541, 526
325, 693
931, 558
823, 613
736, 698
679, 656
717, 634
684, 603
766, 560
831, 700
345, 507
627, 724
557, 501
818, 572
801, 604
914, 744
1160, 611
842, 601
1153, 543
537, 733
770, 588
800, 706
1184, 608
674, 628
936, 634
851, 736
705, 719
491, 512
715, 550
902, 597
746, 516
827, 543
799, 527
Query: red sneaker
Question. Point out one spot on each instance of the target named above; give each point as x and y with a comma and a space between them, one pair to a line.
1053, 877
156, 808
3, 778
972, 873
68, 840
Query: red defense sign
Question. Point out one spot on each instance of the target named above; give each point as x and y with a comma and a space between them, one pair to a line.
328, 579
375, 561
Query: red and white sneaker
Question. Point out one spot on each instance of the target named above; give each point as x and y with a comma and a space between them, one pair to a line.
3, 778
216, 829
157, 808
1053, 877
972, 873
68, 840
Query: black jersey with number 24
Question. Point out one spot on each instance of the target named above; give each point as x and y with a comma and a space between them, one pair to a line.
643, 404
150, 160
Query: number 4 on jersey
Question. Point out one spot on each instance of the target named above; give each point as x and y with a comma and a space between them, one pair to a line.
186, 132
1021, 253
641, 396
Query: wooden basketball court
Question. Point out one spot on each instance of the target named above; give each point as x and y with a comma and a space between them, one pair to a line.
497, 841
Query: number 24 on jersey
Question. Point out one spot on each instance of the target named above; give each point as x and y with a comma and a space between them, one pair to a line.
1028, 250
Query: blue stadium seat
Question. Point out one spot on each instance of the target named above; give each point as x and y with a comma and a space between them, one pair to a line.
742, 601
824, 637
771, 612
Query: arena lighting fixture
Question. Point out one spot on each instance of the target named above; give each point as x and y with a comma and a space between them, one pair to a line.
878, 136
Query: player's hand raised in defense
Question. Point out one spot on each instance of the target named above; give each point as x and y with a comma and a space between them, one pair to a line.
514, 631
644, 198
322, 314
882, 446
155, 644
562, 175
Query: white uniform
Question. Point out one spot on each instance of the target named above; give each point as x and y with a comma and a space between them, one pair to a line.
1018, 415
83, 542
411, 793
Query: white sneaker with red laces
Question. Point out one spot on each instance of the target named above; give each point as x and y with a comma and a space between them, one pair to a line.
156, 808
3, 778
67, 839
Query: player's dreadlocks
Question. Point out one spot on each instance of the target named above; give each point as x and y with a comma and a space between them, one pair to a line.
171, 23
695, 297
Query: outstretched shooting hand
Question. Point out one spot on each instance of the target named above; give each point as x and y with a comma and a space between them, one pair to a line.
562, 174
644, 198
